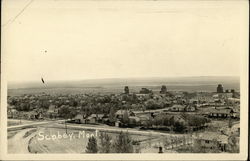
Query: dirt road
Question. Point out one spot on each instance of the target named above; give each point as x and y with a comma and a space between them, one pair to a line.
32, 124
19, 143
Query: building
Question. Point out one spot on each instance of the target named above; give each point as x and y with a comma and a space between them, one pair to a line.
235, 130
100, 117
118, 123
120, 113
92, 119
145, 91
126, 90
233, 100
52, 111
12, 113
190, 108
221, 113
220, 89
213, 140
34, 115
177, 108
134, 121
145, 120
79, 118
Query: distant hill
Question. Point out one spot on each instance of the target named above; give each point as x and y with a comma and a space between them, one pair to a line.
203, 83
128, 81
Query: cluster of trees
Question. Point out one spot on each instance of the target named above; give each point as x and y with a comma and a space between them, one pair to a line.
195, 120
188, 95
178, 125
26, 105
122, 144
67, 112
69, 105
152, 104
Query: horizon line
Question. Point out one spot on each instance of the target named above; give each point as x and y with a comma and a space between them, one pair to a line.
107, 78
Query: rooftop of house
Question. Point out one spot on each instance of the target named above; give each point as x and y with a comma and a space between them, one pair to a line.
121, 112
236, 126
135, 118
221, 111
144, 117
214, 136
178, 106
79, 116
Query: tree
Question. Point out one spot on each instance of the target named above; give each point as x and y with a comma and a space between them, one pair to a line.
92, 145
123, 143
230, 123
67, 112
152, 104
105, 143
23, 106
194, 120
233, 144
179, 127
125, 118
136, 144
112, 115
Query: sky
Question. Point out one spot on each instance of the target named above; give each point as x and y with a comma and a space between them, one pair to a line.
76, 40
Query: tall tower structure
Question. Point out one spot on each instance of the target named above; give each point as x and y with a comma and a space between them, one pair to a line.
220, 88
126, 90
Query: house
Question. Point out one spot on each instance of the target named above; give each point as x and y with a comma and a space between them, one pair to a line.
213, 140
100, 117
190, 108
134, 121
34, 115
11, 112
79, 118
120, 113
91, 120
95, 118
39, 115
177, 108
52, 111
105, 120
236, 115
235, 130
234, 100
221, 113
118, 123
145, 91
193, 101
145, 120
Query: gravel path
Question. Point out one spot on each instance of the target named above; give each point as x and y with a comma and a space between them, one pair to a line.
19, 144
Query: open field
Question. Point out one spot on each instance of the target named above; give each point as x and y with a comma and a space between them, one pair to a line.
75, 144
33, 140
13, 122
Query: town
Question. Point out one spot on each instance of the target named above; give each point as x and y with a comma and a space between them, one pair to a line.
210, 118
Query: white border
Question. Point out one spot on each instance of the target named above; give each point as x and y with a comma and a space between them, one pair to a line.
243, 122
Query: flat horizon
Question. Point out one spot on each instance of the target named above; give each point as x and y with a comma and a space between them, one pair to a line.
119, 78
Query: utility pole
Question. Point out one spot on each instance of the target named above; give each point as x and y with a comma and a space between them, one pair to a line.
20, 118
66, 126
